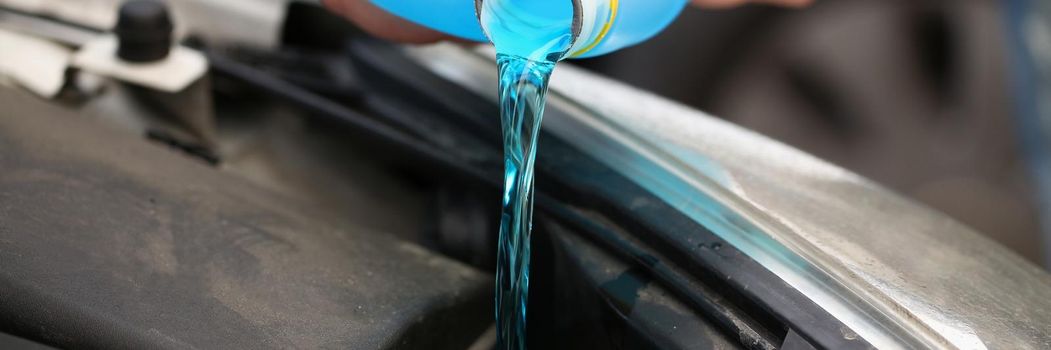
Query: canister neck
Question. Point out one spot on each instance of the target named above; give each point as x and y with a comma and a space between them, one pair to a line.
581, 22
596, 21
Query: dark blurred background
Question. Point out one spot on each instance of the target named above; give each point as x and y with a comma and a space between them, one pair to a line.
915, 95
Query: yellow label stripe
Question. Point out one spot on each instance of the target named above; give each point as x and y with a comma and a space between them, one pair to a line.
614, 5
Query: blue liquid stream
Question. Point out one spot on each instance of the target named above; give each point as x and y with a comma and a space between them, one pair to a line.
523, 88
530, 36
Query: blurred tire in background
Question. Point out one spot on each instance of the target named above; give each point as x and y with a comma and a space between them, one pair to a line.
912, 94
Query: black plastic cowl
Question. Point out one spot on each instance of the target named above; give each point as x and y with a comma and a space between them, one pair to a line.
144, 31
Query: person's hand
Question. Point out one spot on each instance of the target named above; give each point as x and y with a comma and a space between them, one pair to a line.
387, 26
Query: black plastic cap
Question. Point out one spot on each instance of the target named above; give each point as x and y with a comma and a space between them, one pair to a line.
144, 31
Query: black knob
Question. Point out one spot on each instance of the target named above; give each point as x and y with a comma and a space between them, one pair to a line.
144, 31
